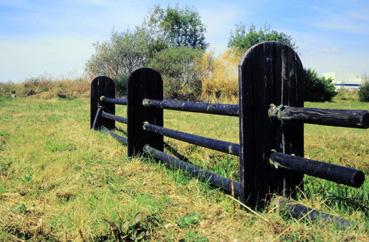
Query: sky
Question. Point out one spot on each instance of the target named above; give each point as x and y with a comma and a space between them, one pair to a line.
55, 38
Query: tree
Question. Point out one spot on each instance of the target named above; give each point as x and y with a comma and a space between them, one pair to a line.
178, 27
317, 88
364, 89
121, 55
178, 69
242, 39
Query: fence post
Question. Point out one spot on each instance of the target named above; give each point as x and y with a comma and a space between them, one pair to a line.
143, 83
269, 73
101, 86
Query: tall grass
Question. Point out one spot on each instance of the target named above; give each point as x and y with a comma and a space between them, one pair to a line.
61, 181
219, 76
46, 88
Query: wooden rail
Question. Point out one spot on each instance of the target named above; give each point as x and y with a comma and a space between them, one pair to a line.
271, 121
198, 107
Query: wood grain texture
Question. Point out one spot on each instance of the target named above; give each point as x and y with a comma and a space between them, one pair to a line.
198, 107
214, 144
331, 117
143, 83
269, 73
339, 174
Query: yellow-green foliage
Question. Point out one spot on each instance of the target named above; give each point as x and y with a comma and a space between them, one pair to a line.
59, 181
220, 76
46, 88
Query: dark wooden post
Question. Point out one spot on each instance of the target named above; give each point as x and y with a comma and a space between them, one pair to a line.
269, 73
143, 83
101, 86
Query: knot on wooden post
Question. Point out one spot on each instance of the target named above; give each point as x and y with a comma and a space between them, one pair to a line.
276, 112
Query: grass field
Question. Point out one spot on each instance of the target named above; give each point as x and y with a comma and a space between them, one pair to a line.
61, 181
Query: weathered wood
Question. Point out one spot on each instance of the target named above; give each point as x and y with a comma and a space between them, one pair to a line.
330, 172
300, 211
121, 101
114, 117
223, 146
227, 185
332, 117
143, 83
102, 86
270, 72
198, 107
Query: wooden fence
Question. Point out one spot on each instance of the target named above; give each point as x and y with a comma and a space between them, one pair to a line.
271, 123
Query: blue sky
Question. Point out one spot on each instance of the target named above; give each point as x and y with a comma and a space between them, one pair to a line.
55, 38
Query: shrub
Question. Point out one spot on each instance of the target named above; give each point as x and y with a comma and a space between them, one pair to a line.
121, 86
242, 39
35, 86
119, 56
346, 94
7, 89
317, 89
42, 87
219, 76
178, 69
364, 92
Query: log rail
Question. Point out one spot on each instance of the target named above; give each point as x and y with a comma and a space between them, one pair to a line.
271, 121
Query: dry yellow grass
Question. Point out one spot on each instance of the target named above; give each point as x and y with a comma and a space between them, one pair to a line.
61, 181
46, 88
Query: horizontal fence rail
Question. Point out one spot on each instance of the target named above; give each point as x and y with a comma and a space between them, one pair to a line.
121, 101
225, 184
223, 146
332, 117
331, 172
114, 117
199, 107
271, 118
300, 211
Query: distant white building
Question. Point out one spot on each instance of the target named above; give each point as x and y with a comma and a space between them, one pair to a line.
351, 82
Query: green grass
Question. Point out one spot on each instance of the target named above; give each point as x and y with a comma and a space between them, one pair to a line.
61, 181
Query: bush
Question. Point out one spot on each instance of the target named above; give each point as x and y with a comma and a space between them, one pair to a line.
121, 86
346, 94
178, 69
242, 39
364, 92
119, 56
317, 89
35, 86
42, 87
7, 89
219, 76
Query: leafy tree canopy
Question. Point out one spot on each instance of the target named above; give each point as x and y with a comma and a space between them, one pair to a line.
178, 68
317, 88
178, 26
242, 39
120, 55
